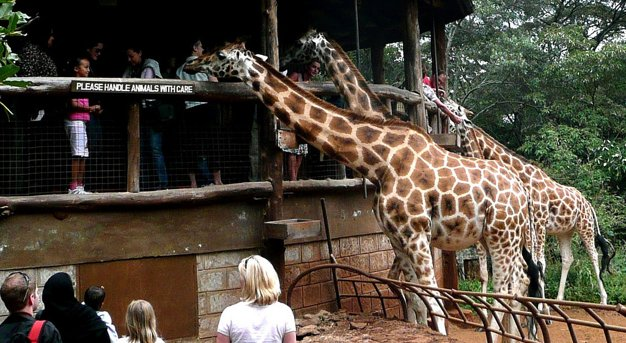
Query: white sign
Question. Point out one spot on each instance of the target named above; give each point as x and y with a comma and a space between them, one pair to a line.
129, 87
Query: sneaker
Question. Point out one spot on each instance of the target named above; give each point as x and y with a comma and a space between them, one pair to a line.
78, 190
81, 190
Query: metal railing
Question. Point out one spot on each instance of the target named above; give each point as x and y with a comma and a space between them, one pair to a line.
388, 293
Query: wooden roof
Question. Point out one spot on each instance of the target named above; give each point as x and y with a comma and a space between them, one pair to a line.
169, 27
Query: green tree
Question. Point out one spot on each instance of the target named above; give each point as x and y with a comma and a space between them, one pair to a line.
12, 22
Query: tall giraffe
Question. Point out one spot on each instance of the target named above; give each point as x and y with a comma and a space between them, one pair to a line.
355, 91
426, 195
558, 210
352, 86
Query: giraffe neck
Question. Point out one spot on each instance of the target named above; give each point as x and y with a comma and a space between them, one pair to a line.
351, 83
349, 138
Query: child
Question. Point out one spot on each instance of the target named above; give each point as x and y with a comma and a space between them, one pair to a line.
94, 298
76, 129
140, 323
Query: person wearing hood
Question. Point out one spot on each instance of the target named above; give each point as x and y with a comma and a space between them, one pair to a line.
76, 322
152, 120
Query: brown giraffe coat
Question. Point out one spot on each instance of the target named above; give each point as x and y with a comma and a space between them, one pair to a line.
348, 80
557, 209
426, 195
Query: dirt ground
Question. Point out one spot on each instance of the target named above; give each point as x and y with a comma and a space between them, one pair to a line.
344, 327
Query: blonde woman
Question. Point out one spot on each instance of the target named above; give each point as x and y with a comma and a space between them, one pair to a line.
258, 317
140, 323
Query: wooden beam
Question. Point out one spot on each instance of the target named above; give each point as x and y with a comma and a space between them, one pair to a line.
378, 66
412, 62
134, 149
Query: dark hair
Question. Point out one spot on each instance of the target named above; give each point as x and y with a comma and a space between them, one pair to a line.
94, 297
76, 61
39, 31
91, 42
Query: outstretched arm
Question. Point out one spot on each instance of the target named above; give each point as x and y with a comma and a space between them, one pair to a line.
455, 119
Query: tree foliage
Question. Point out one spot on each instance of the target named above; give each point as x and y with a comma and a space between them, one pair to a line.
548, 79
10, 24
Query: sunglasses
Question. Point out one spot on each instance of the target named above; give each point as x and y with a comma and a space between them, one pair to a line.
27, 280
245, 263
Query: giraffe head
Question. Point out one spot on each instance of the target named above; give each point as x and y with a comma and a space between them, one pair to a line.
228, 61
307, 48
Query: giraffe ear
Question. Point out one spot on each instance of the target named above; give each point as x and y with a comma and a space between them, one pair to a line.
263, 57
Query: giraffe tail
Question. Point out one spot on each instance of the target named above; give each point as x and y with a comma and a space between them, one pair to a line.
534, 289
608, 251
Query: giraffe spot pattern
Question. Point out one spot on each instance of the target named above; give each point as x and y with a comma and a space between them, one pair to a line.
402, 162
433, 160
368, 135
340, 125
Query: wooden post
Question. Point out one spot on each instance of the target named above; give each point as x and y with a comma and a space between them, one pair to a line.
378, 69
413, 62
451, 278
134, 149
271, 155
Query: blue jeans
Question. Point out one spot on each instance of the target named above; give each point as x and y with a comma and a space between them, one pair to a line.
158, 159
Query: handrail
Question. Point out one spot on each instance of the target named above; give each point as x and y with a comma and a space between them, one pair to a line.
475, 301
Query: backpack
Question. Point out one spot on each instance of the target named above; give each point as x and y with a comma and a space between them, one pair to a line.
33, 334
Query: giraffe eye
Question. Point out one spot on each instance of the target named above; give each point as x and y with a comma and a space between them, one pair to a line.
221, 55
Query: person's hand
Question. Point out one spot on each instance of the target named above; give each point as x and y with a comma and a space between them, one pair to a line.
455, 119
97, 109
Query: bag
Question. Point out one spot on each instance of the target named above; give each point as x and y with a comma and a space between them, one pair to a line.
35, 331
33, 334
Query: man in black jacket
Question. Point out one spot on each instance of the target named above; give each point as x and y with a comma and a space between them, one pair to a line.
19, 296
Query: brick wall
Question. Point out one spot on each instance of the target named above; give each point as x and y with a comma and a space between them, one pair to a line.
370, 253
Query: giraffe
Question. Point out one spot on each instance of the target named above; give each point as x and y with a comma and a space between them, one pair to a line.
425, 194
355, 91
557, 209
360, 99
353, 87
346, 77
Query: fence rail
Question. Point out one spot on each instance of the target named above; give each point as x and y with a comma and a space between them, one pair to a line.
389, 295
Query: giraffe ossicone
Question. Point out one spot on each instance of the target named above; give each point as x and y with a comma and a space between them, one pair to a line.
424, 194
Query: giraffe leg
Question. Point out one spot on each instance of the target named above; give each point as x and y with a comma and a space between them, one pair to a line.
417, 310
587, 236
565, 245
482, 252
423, 273
509, 277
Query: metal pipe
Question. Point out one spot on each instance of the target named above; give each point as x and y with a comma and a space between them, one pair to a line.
358, 40
330, 251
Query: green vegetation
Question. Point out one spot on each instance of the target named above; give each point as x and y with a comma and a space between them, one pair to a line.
10, 24
548, 79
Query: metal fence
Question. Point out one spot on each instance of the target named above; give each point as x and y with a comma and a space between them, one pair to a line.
472, 310
35, 154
